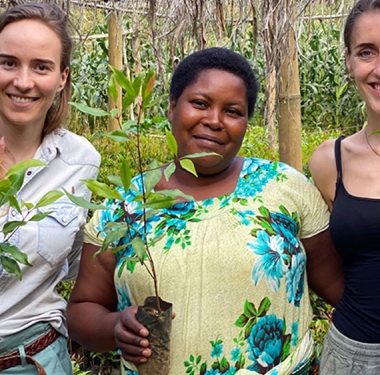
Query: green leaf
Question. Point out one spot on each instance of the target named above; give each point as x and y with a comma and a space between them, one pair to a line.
23, 166
148, 85
151, 177
115, 180
127, 101
137, 84
169, 170
40, 216
112, 89
176, 193
172, 143
224, 365
118, 136
114, 112
10, 226
124, 82
14, 203
248, 328
188, 165
125, 174
241, 321
111, 237
81, 202
139, 248
102, 189
158, 203
11, 266
264, 307
201, 154
49, 198
15, 253
97, 112
264, 211
249, 309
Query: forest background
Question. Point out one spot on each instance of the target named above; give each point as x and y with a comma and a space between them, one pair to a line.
157, 34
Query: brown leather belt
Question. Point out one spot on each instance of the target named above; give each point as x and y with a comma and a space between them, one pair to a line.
13, 359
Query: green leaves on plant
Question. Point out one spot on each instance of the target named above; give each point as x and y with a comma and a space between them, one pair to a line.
172, 143
81, 202
139, 248
10, 256
188, 165
102, 189
97, 112
49, 198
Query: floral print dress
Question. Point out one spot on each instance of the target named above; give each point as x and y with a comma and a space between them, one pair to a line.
233, 267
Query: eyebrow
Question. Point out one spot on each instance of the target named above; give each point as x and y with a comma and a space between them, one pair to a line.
44, 61
364, 45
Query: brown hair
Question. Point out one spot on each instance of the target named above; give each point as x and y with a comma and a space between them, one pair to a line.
54, 17
362, 6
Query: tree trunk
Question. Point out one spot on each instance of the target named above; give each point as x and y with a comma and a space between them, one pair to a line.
289, 121
115, 55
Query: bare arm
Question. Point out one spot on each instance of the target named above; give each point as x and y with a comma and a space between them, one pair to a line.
323, 170
91, 314
324, 267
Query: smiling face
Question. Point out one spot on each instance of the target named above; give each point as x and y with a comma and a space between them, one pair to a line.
363, 61
211, 115
30, 76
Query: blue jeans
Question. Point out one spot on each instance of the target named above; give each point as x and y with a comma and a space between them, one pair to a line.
343, 356
55, 358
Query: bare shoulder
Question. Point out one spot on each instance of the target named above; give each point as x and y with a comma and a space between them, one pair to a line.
323, 170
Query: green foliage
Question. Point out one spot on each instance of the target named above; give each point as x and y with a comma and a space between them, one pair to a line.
10, 255
129, 134
329, 98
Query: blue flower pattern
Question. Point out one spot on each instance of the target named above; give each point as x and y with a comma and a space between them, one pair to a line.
278, 252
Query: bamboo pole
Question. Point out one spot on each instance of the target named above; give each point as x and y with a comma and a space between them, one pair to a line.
289, 120
115, 56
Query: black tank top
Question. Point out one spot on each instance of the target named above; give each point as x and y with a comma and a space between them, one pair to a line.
355, 231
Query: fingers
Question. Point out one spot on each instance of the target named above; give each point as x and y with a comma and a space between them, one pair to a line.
130, 337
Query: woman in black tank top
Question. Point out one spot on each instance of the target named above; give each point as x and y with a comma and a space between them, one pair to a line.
347, 172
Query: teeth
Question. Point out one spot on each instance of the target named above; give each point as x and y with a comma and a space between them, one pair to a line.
377, 86
21, 100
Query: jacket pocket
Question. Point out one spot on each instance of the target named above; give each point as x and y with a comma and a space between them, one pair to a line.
57, 231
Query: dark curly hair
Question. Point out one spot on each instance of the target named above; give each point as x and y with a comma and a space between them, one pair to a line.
214, 58
362, 6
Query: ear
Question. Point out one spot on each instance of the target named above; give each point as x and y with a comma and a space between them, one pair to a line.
173, 104
348, 63
64, 76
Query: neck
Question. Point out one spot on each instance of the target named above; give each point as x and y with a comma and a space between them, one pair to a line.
19, 145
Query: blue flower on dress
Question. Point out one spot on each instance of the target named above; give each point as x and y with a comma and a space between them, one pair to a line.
180, 209
217, 350
207, 202
295, 279
244, 215
265, 343
235, 354
287, 228
130, 372
177, 223
123, 295
294, 333
212, 372
271, 261
231, 371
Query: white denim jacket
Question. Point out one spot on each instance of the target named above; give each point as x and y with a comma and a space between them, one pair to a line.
54, 244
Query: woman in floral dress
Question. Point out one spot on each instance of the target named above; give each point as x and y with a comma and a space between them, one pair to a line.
235, 261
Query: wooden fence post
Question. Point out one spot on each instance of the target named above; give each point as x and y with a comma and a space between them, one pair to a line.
115, 56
